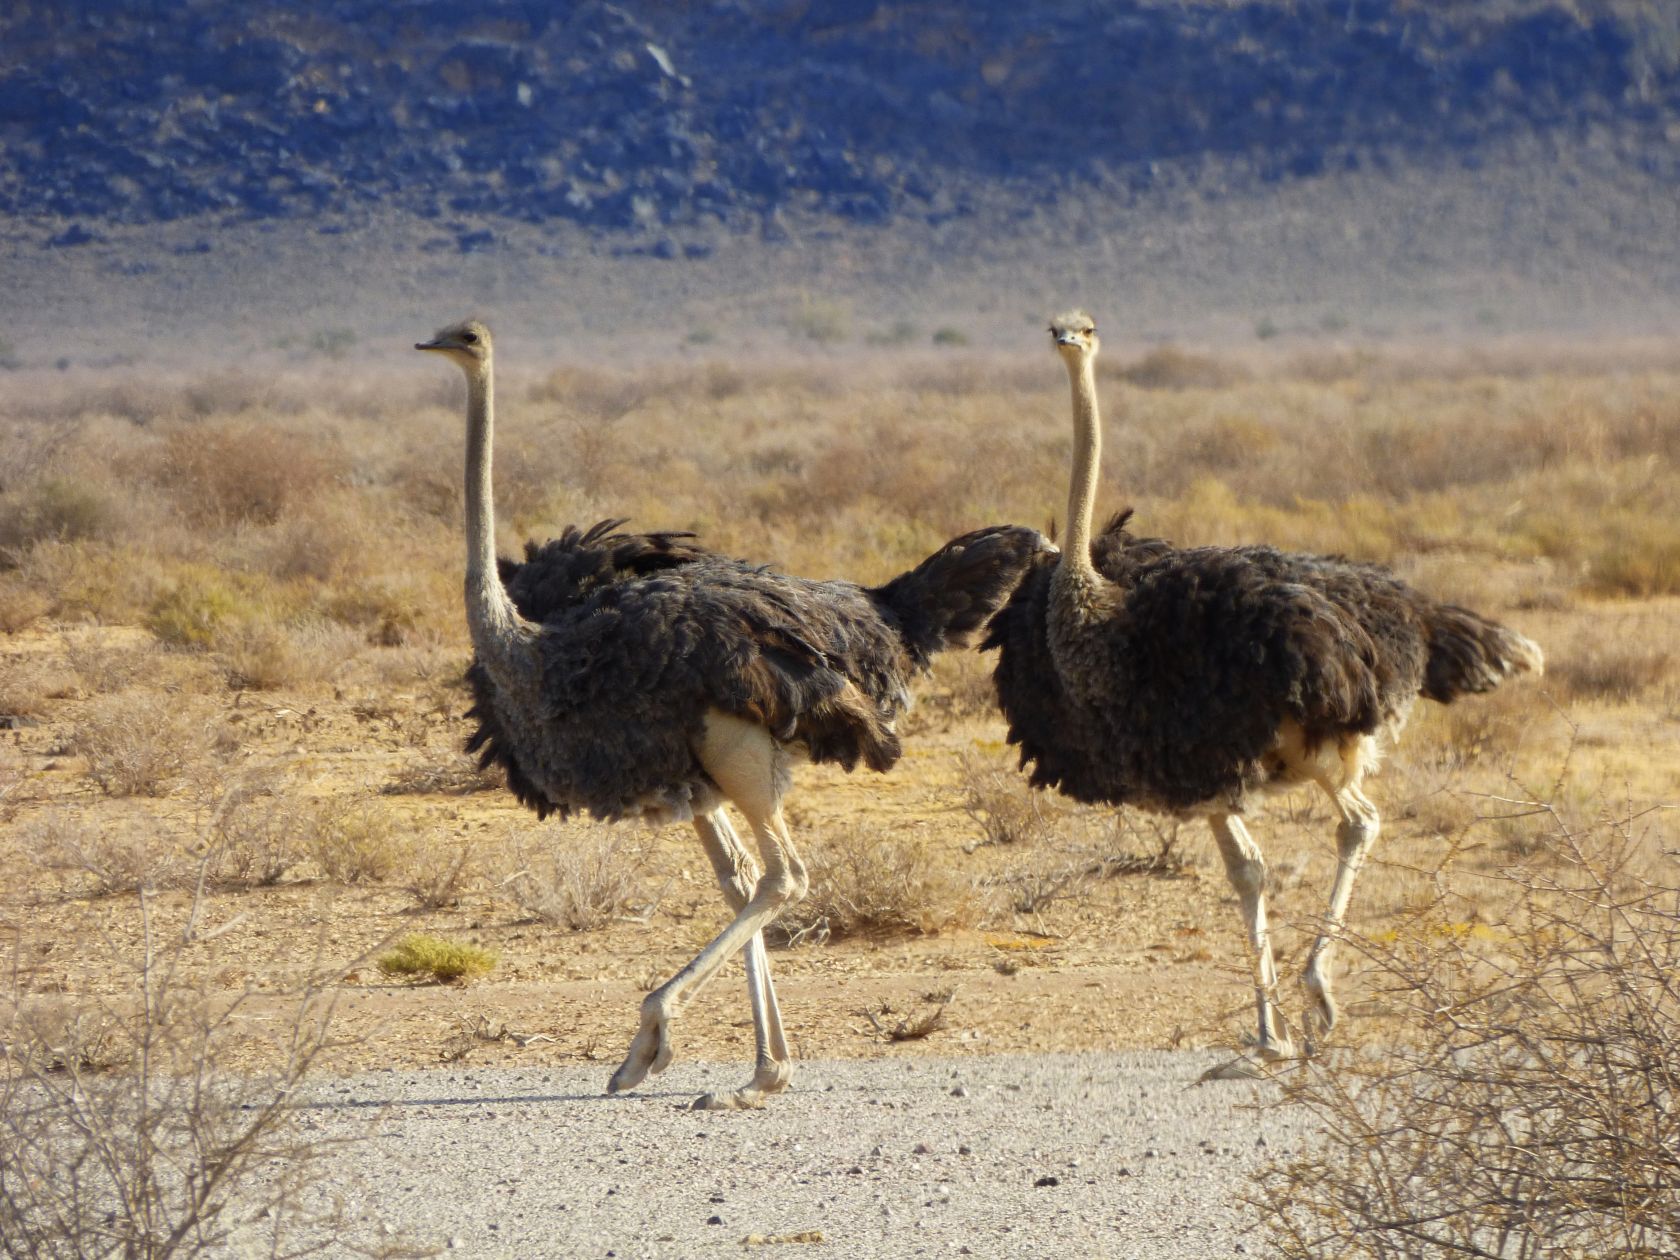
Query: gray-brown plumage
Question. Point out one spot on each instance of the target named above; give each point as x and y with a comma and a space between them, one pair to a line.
1186, 680
1208, 650
645, 674
643, 634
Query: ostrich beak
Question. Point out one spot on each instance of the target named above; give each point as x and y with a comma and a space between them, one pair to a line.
1067, 339
430, 345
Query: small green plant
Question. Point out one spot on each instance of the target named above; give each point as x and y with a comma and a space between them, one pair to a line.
1265, 328
436, 958
949, 337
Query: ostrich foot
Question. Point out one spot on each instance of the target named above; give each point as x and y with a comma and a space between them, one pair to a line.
748, 1099
1273, 1044
1320, 1015
1241, 1068
1274, 1050
650, 1051
771, 1078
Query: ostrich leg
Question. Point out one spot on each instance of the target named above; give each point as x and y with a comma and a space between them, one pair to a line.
1246, 868
745, 763
737, 874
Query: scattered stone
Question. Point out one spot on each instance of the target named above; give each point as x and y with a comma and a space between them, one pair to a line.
1048, 1180
73, 235
592, 113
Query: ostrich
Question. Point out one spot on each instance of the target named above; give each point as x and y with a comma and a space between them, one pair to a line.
642, 674
1188, 681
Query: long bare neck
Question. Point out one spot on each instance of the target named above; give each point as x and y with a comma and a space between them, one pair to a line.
1087, 459
491, 615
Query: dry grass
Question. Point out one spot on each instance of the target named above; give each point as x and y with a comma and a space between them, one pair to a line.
28, 688
354, 841
1537, 487
228, 503
123, 1132
436, 873
146, 743
995, 796
865, 884
102, 858
259, 832
21, 604
580, 876
241, 471
11, 781
455, 774
269, 656
1532, 1105
1619, 672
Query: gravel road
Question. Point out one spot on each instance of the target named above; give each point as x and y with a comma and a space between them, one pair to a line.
1120, 1155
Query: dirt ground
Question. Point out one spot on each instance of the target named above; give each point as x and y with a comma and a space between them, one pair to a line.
1139, 955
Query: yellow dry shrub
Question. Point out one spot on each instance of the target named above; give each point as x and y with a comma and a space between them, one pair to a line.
436, 958
880, 885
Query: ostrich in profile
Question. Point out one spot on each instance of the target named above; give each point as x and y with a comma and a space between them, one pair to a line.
644, 675
1189, 681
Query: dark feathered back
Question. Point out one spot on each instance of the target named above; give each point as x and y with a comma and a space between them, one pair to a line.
642, 634
946, 598
1208, 651
1470, 654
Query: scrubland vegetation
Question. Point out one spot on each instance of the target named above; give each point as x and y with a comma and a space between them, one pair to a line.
231, 644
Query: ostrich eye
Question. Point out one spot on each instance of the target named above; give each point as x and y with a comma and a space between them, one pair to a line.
470, 338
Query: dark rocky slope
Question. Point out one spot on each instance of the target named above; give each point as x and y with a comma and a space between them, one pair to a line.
667, 117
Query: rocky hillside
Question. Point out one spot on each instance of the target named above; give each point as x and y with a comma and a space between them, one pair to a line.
665, 116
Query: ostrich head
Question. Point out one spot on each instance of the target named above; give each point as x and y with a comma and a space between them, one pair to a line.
467, 343
1074, 335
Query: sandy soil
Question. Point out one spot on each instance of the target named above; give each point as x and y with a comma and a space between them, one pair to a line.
1119, 1155
1138, 959
1130, 964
